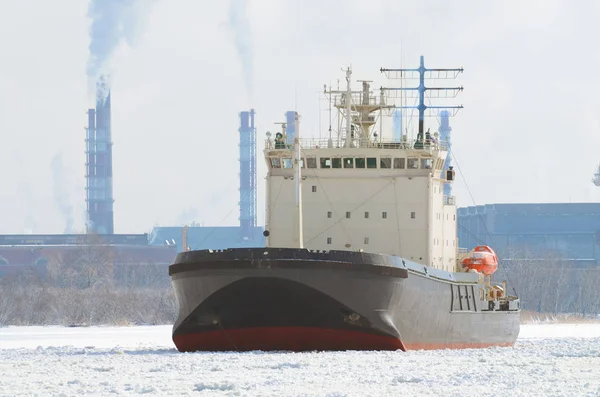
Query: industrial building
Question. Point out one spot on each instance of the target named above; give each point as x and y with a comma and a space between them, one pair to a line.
28, 252
562, 231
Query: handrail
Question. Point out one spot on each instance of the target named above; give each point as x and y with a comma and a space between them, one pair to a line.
323, 143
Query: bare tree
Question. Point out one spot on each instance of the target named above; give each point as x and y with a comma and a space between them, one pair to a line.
90, 264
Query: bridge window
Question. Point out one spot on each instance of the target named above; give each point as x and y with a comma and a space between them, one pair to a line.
385, 162
366, 240
384, 215
426, 163
328, 240
311, 162
287, 163
360, 162
349, 162
348, 214
400, 163
336, 162
325, 162
275, 162
413, 215
329, 214
314, 188
366, 215
413, 163
371, 162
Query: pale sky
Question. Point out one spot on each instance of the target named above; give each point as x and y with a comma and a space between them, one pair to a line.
529, 132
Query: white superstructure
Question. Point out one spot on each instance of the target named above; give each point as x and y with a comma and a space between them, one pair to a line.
362, 192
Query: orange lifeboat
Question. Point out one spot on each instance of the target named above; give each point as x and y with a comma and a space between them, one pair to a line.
482, 259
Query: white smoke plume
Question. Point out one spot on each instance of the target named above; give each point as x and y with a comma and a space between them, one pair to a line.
112, 22
242, 37
61, 195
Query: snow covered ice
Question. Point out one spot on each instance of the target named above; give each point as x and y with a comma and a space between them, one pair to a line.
548, 360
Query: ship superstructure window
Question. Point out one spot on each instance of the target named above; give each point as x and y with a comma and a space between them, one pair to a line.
287, 162
385, 162
366, 215
413, 163
348, 214
275, 162
329, 214
325, 162
371, 162
314, 188
384, 215
311, 162
328, 240
359, 162
349, 162
400, 163
366, 240
426, 163
336, 162
413, 215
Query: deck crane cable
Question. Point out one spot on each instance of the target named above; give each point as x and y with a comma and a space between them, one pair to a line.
474, 203
481, 218
214, 228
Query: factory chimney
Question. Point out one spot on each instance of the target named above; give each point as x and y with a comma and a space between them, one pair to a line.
99, 191
247, 175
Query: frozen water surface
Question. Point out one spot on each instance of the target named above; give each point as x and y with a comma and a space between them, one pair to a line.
548, 360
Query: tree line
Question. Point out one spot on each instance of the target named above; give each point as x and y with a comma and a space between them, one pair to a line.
550, 283
84, 286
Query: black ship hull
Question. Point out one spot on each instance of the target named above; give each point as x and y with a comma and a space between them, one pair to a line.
300, 300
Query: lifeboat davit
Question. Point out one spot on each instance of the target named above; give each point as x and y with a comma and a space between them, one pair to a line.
482, 259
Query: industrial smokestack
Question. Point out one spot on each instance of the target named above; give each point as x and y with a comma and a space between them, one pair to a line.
290, 126
247, 175
397, 126
99, 187
112, 22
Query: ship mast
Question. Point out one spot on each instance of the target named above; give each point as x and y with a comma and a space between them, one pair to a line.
356, 107
298, 176
348, 97
436, 92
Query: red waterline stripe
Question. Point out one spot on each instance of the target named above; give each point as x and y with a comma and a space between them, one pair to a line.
284, 338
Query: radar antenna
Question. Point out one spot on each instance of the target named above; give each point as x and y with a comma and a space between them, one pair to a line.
419, 92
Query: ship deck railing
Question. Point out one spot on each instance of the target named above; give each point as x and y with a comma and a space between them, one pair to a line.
324, 143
